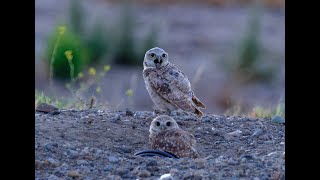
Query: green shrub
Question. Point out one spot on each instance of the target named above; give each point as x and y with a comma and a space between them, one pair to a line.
97, 43
130, 51
68, 41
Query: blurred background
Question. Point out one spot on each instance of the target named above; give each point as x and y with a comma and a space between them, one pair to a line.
89, 53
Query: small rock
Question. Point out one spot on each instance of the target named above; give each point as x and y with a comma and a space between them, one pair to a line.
190, 175
113, 177
200, 162
85, 151
258, 132
129, 113
174, 171
232, 162
82, 162
206, 118
73, 173
46, 108
53, 177
52, 162
232, 135
220, 160
256, 178
113, 159
50, 146
278, 119
117, 117
72, 153
144, 174
166, 177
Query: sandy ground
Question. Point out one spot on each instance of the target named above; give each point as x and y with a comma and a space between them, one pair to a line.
95, 144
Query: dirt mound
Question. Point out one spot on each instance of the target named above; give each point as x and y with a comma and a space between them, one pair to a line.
93, 144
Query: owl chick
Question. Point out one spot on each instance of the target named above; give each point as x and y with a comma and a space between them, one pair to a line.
167, 86
165, 134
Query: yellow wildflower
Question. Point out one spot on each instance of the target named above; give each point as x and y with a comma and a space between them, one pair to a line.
106, 68
80, 75
92, 71
68, 55
98, 89
129, 92
61, 30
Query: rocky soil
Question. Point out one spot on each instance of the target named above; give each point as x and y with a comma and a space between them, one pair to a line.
95, 144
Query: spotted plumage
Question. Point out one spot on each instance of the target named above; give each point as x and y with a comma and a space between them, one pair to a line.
168, 87
165, 134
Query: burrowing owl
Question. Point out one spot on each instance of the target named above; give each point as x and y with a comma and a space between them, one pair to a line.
165, 134
168, 87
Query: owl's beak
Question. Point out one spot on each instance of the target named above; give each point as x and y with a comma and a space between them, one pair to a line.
158, 61
162, 127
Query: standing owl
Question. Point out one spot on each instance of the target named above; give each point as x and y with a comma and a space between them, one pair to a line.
165, 134
168, 87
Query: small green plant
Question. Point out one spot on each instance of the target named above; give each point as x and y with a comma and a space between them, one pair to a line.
260, 112
87, 85
41, 98
58, 44
247, 65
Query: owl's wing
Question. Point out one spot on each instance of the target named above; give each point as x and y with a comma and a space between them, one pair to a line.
173, 86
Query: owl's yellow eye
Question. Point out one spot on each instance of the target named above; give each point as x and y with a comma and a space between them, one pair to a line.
164, 55
168, 124
157, 123
152, 54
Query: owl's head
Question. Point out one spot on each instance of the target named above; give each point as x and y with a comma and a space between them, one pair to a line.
155, 57
163, 123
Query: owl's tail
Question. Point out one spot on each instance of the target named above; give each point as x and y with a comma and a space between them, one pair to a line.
197, 102
198, 112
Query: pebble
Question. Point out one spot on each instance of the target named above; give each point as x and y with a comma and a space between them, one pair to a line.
144, 174
85, 151
46, 108
129, 113
231, 161
73, 173
52, 162
82, 162
72, 153
257, 132
113, 159
53, 177
50, 146
117, 117
166, 177
278, 119
232, 135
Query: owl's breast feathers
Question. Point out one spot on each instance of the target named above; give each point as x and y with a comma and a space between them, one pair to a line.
178, 142
168, 81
